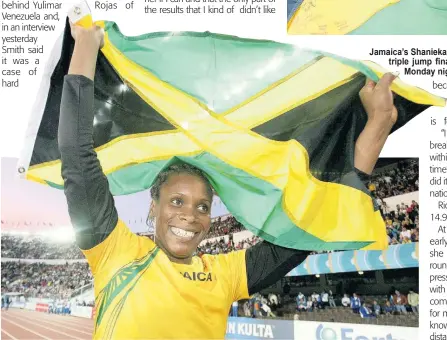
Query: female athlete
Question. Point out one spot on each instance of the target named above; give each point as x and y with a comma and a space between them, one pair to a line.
146, 289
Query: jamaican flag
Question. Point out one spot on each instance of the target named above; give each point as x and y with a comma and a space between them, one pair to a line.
273, 127
362, 17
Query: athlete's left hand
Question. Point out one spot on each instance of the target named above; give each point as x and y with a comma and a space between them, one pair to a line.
378, 101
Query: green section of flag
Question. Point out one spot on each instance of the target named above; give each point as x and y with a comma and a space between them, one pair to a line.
220, 71
242, 193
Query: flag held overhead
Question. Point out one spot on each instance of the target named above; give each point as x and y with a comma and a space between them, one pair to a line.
273, 127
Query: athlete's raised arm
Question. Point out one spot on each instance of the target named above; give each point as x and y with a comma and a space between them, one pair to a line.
90, 203
267, 263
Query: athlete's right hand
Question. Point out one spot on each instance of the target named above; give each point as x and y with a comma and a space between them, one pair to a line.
93, 36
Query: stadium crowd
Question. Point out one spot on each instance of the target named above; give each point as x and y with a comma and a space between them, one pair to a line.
221, 246
36, 247
402, 179
44, 280
274, 305
222, 227
395, 303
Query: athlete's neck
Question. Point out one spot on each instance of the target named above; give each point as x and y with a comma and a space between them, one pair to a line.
172, 258
187, 260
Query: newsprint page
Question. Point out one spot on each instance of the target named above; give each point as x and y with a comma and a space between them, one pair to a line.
223, 169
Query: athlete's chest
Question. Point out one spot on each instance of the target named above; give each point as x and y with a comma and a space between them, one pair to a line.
194, 284
156, 281
164, 292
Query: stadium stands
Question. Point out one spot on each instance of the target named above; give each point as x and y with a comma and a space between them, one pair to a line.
44, 280
35, 247
397, 180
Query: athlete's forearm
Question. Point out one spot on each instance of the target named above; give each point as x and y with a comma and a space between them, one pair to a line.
83, 60
90, 204
369, 145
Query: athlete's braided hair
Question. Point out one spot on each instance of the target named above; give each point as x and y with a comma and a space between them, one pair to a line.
180, 168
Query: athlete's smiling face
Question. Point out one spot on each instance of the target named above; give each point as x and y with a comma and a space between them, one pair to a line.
183, 215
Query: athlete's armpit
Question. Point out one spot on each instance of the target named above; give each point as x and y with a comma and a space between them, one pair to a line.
235, 264
267, 263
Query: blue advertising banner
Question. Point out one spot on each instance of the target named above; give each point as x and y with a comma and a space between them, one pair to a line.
311, 330
247, 328
396, 256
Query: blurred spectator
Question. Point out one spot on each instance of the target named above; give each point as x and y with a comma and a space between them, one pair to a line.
316, 300
413, 301
346, 301
273, 299
257, 308
234, 309
365, 312
331, 300
355, 303
388, 309
266, 308
400, 301
301, 304
247, 311
376, 307
325, 299
309, 304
